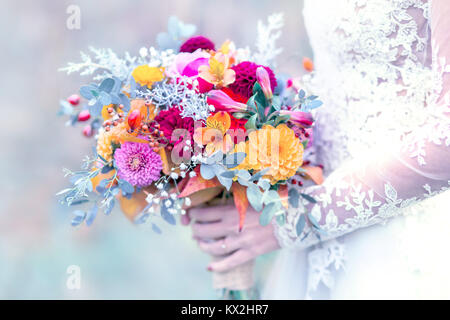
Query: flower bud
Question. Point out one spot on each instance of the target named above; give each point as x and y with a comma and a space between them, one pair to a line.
134, 119
222, 102
302, 119
262, 76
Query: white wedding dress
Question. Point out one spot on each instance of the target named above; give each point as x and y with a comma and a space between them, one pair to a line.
383, 136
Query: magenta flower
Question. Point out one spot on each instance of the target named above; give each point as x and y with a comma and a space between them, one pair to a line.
246, 78
222, 102
137, 163
198, 42
262, 76
302, 119
171, 120
187, 64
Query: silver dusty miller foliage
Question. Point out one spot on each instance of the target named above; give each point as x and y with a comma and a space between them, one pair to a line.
268, 34
179, 94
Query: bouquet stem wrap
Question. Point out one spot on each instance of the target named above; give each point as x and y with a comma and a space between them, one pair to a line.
238, 278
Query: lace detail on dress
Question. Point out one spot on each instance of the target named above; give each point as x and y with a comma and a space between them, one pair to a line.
362, 209
381, 75
320, 260
376, 62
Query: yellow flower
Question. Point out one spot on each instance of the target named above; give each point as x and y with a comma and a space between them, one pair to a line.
145, 75
275, 148
214, 135
218, 72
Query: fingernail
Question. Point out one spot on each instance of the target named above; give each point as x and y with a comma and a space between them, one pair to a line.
209, 268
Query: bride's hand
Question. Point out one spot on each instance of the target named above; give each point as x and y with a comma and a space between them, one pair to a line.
216, 229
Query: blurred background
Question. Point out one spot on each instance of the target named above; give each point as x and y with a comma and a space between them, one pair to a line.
117, 260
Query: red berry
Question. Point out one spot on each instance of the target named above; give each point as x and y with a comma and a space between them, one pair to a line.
308, 64
74, 99
87, 131
289, 83
156, 150
107, 129
84, 115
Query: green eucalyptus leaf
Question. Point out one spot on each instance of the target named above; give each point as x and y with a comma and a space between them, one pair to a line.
251, 104
276, 103
207, 171
264, 183
240, 115
251, 123
107, 85
254, 196
300, 224
305, 143
308, 197
294, 197
271, 196
218, 171
259, 174
281, 119
267, 214
228, 174
281, 219
215, 158
313, 220
234, 159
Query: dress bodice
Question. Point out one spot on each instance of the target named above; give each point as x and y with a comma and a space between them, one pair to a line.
383, 133
373, 72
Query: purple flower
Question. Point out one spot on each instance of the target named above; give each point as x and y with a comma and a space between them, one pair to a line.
138, 164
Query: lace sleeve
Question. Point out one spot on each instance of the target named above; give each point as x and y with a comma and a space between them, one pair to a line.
374, 187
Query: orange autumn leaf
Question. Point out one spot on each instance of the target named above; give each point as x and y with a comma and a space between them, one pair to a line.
314, 173
196, 184
283, 193
240, 201
131, 207
101, 176
165, 161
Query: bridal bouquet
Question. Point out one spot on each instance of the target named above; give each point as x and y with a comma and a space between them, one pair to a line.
187, 123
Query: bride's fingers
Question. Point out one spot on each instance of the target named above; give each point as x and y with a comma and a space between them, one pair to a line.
220, 247
207, 214
231, 261
211, 230
185, 219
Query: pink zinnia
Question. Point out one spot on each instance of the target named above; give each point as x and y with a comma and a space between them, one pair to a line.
138, 164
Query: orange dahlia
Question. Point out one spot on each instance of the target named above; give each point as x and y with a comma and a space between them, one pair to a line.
107, 138
275, 148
